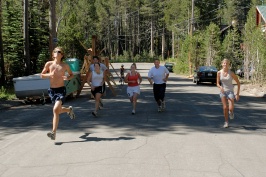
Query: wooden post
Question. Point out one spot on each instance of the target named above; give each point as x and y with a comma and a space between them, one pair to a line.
86, 65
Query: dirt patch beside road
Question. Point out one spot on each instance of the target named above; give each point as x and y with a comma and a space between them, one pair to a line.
256, 90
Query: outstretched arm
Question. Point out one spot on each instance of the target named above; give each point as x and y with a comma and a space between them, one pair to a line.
218, 81
238, 85
46, 69
70, 73
140, 78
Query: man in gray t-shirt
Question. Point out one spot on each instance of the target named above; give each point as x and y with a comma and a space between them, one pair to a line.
96, 60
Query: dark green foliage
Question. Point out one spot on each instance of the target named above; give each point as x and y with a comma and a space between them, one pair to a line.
123, 28
13, 38
232, 49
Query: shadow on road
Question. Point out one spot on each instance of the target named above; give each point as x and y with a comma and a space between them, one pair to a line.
86, 138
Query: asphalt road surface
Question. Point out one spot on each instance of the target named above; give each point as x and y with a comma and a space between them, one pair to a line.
187, 140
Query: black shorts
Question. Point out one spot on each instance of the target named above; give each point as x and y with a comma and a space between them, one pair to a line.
99, 89
159, 91
57, 94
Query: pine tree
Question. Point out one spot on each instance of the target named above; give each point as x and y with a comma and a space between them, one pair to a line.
13, 38
232, 48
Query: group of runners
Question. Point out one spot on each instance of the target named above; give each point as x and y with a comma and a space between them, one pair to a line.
157, 76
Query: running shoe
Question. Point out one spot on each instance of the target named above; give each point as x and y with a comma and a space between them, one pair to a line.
51, 135
94, 114
226, 125
163, 105
71, 113
231, 115
133, 112
159, 109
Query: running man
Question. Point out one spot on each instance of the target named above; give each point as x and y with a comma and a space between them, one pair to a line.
55, 71
158, 76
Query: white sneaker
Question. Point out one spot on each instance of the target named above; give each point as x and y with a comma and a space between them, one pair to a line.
231, 115
163, 105
71, 113
94, 114
133, 112
226, 125
159, 109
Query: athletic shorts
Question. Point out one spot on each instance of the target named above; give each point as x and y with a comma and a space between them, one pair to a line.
57, 94
99, 89
159, 91
228, 95
132, 90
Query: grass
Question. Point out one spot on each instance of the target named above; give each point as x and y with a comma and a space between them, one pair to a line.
7, 94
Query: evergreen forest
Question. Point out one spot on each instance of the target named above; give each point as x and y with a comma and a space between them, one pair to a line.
189, 33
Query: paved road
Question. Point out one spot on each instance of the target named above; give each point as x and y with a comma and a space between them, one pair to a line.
185, 141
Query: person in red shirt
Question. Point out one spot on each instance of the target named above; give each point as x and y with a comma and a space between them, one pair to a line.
133, 78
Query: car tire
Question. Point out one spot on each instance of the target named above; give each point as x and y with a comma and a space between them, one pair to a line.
197, 82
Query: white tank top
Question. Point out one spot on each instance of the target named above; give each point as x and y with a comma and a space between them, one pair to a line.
227, 83
96, 79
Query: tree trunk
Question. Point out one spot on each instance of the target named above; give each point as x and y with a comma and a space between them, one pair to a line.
163, 44
2, 62
152, 42
52, 26
26, 37
173, 44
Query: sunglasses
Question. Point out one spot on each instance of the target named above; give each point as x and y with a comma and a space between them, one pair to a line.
57, 52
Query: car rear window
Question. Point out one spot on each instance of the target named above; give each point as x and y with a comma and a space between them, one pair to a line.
207, 68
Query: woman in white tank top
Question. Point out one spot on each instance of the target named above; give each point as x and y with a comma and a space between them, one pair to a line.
225, 76
96, 79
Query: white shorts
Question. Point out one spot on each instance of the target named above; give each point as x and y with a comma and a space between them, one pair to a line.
132, 90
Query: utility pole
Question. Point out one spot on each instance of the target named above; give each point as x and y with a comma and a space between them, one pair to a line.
191, 34
26, 37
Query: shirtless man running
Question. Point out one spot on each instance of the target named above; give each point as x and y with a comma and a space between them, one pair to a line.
55, 71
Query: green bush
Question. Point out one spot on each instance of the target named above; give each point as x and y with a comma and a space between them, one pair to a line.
6, 94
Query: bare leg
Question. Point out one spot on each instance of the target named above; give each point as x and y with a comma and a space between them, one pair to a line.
134, 100
64, 109
56, 111
225, 108
231, 105
97, 101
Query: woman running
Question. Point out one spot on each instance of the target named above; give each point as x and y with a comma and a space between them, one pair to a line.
133, 79
225, 76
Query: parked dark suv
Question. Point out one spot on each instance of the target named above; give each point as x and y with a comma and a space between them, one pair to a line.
169, 66
205, 74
